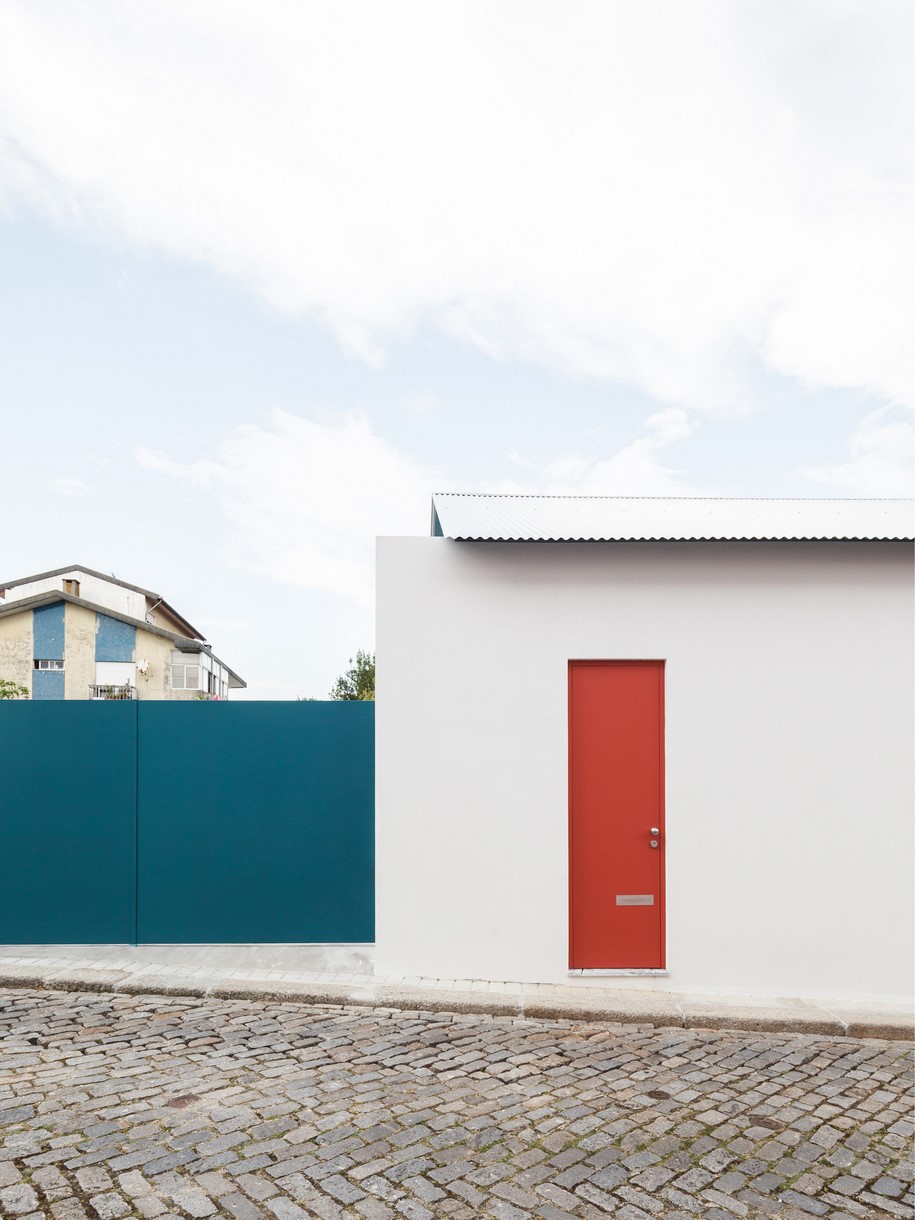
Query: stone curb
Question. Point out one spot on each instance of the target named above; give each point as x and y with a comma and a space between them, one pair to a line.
659, 1010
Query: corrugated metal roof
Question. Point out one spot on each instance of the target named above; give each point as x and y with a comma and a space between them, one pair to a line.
507, 518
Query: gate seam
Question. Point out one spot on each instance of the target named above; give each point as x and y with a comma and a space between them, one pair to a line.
136, 827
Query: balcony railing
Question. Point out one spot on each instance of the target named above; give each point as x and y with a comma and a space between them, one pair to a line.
113, 692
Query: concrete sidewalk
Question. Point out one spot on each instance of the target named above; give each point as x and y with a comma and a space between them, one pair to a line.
343, 974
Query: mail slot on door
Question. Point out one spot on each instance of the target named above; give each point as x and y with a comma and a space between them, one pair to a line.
635, 900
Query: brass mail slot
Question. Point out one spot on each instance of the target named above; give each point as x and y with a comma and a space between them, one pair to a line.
635, 900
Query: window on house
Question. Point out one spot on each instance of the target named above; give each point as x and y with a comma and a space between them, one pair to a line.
185, 677
48, 664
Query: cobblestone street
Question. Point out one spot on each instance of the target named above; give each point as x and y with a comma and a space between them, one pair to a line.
118, 1106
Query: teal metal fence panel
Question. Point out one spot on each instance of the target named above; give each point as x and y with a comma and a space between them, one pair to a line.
182, 823
67, 822
256, 822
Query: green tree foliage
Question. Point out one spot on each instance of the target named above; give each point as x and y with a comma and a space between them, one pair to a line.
359, 680
15, 690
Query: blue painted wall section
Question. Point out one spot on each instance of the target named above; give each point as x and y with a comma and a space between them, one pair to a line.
68, 822
114, 640
187, 823
48, 632
47, 684
48, 645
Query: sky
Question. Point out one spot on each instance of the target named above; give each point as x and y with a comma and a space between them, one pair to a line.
272, 274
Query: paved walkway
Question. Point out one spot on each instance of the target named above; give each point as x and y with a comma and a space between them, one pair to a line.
117, 1106
343, 974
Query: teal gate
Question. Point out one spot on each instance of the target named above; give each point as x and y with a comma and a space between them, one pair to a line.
182, 823
68, 798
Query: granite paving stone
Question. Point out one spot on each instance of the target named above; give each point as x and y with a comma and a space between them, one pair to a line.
147, 1107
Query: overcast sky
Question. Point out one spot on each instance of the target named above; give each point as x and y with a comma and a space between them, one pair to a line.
272, 273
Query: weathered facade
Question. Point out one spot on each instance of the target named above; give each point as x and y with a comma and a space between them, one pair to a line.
77, 634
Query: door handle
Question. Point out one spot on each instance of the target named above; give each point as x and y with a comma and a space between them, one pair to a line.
655, 831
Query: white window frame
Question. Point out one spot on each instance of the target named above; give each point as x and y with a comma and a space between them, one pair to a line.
53, 666
184, 669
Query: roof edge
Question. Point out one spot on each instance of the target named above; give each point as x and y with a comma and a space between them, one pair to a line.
698, 541
184, 643
53, 596
77, 567
511, 495
509, 517
123, 584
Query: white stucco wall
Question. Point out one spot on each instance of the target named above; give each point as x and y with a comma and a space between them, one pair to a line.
91, 589
789, 740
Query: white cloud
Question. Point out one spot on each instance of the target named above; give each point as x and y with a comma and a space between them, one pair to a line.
422, 403
638, 469
68, 485
881, 457
662, 193
303, 501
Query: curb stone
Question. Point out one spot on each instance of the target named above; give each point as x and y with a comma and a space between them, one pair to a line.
660, 1011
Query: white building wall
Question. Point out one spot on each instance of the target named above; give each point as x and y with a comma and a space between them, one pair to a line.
115, 673
789, 740
91, 589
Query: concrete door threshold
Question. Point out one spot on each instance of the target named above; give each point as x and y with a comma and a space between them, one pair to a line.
342, 975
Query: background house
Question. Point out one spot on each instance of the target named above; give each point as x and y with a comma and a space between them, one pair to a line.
75, 633
669, 742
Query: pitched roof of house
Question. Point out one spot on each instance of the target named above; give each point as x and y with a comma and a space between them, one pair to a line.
182, 643
511, 518
78, 567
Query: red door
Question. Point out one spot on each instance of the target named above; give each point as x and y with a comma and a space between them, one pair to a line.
616, 815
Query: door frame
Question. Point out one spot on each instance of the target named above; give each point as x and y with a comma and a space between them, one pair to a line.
617, 662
